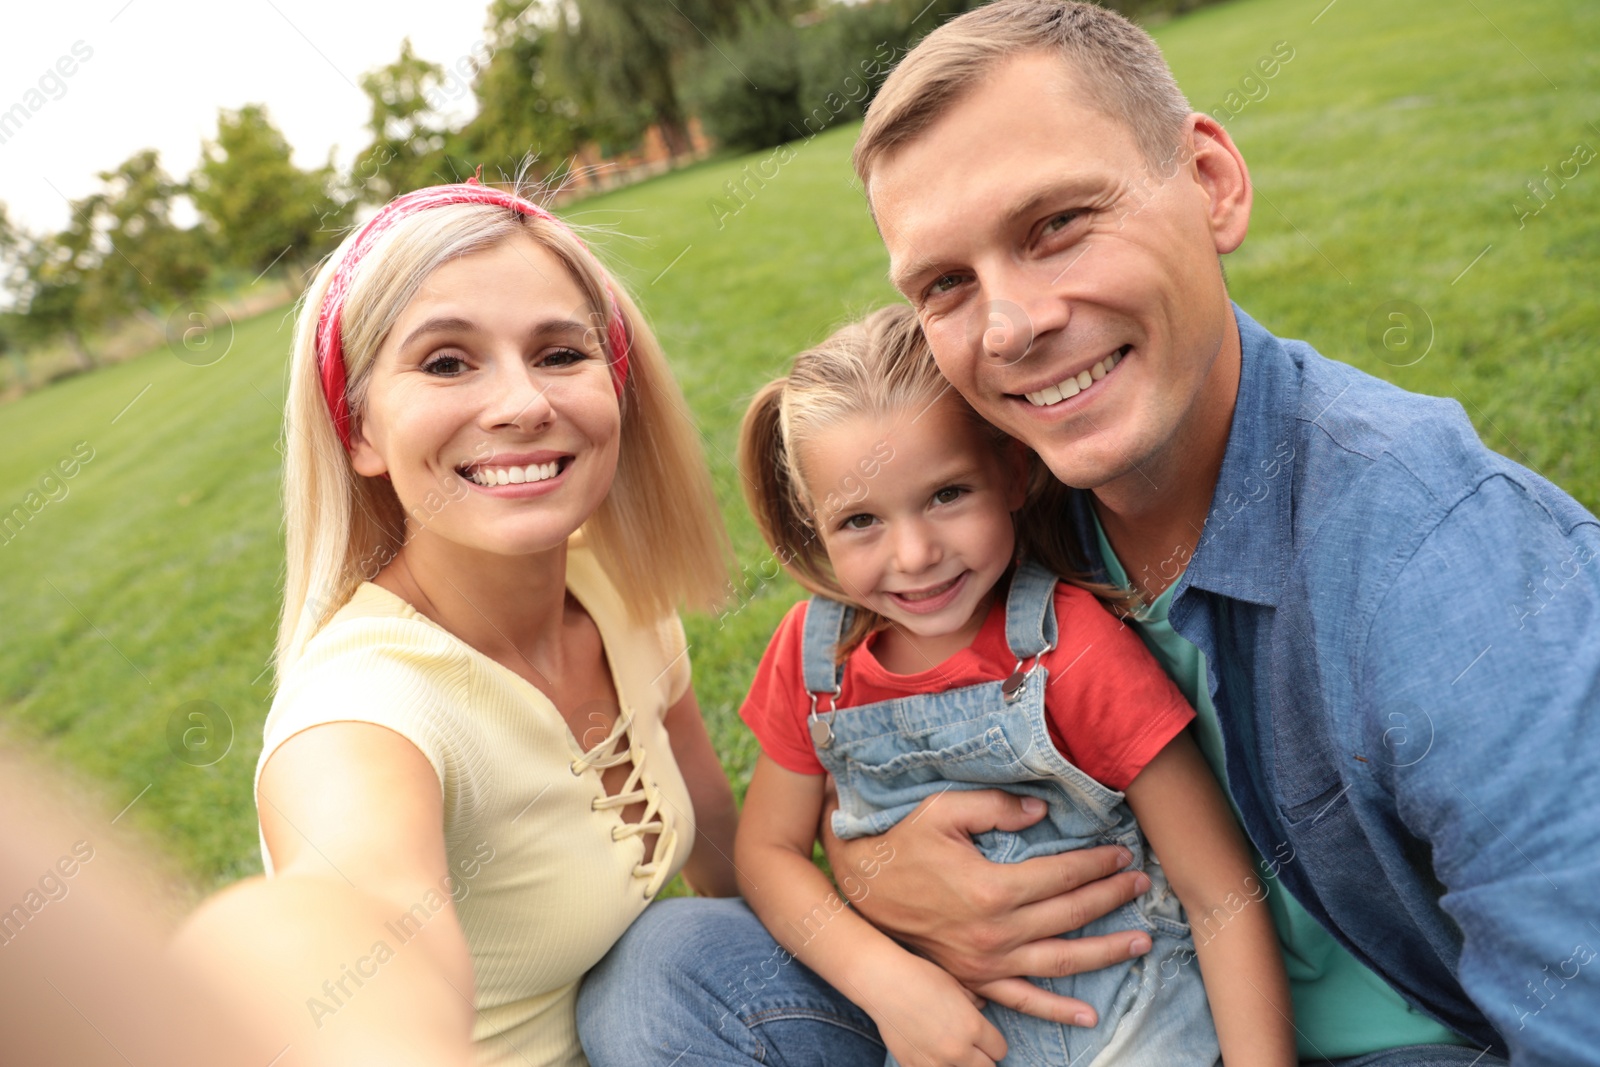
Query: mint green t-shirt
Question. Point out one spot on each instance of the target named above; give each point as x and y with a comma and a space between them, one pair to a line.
1341, 1008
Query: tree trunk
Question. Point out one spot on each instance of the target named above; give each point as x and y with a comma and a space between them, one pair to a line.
80, 352
675, 137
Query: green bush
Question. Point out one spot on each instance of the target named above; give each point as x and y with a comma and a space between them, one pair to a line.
776, 82
748, 97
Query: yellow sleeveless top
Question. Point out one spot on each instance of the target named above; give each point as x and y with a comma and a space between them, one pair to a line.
545, 872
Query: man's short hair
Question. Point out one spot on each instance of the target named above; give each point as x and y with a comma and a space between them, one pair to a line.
1111, 60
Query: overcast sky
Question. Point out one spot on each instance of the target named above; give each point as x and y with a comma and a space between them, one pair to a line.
159, 70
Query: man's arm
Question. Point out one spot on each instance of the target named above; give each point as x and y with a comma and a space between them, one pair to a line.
1489, 641
987, 923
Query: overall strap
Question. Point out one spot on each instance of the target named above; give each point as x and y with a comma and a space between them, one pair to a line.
1030, 611
825, 622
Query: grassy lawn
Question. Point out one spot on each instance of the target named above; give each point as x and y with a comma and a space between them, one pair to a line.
1390, 156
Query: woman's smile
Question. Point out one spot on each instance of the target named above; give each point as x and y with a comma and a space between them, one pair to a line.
489, 380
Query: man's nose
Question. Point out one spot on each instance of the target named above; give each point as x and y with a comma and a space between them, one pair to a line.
1022, 307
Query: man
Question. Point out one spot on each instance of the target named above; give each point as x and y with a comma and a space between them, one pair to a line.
1391, 634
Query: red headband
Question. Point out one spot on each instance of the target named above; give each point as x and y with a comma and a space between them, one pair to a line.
330, 344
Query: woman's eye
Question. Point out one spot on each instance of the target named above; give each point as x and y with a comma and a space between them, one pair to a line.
948, 495
563, 357
445, 365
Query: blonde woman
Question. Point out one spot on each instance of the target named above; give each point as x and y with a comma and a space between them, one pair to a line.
484, 757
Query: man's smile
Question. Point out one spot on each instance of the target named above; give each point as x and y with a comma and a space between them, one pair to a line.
1081, 382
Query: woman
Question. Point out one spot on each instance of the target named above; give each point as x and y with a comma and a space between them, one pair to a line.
484, 750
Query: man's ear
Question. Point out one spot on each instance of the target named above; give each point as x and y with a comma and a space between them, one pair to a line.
1220, 170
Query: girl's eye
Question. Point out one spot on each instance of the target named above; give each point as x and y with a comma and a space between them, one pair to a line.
948, 495
857, 522
445, 365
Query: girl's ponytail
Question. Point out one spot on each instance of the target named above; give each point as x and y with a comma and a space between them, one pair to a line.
773, 497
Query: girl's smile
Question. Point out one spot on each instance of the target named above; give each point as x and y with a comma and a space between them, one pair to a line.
924, 541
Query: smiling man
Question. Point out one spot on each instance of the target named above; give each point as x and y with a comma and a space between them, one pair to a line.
1391, 634
1336, 571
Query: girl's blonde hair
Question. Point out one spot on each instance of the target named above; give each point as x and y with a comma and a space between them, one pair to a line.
880, 367
658, 533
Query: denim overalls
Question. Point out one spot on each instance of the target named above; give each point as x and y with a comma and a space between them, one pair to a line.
888, 756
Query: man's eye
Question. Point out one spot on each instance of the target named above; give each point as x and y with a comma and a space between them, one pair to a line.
949, 494
944, 283
445, 365
1061, 221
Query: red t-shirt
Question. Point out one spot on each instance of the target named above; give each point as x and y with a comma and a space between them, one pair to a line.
1109, 706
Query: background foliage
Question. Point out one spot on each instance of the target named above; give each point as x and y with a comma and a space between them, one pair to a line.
1404, 153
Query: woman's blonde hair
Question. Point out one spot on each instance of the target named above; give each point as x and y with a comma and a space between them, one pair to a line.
658, 533
881, 367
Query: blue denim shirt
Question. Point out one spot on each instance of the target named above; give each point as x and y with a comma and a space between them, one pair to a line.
1405, 634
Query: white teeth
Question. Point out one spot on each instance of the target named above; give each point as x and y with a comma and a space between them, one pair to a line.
1071, 387
533, 472
928, 594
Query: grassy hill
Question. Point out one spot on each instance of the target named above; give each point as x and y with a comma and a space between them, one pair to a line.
1391, 155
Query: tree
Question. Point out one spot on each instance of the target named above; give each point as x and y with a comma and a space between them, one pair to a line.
148, 261
12, 243
626, 57
408, 136
260, 208
524, 107
55, 272
120, 252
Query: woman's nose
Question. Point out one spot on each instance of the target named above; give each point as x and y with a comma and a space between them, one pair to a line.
518, 399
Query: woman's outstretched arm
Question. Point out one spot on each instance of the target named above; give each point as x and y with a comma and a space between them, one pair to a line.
353, 816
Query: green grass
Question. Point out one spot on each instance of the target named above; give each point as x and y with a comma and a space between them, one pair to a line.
1386, 156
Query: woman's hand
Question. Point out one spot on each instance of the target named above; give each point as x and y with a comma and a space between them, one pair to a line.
987, 923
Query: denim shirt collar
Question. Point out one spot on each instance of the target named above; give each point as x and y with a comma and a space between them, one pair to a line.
1245, 547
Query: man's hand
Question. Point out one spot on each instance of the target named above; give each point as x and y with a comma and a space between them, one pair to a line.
987, 923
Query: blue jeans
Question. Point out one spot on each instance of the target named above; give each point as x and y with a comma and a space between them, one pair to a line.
697, 981
701, 981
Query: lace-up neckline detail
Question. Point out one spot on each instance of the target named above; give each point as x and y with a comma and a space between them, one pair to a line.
618, 748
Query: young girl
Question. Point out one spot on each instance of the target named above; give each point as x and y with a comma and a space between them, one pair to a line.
484, 757
930, 659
